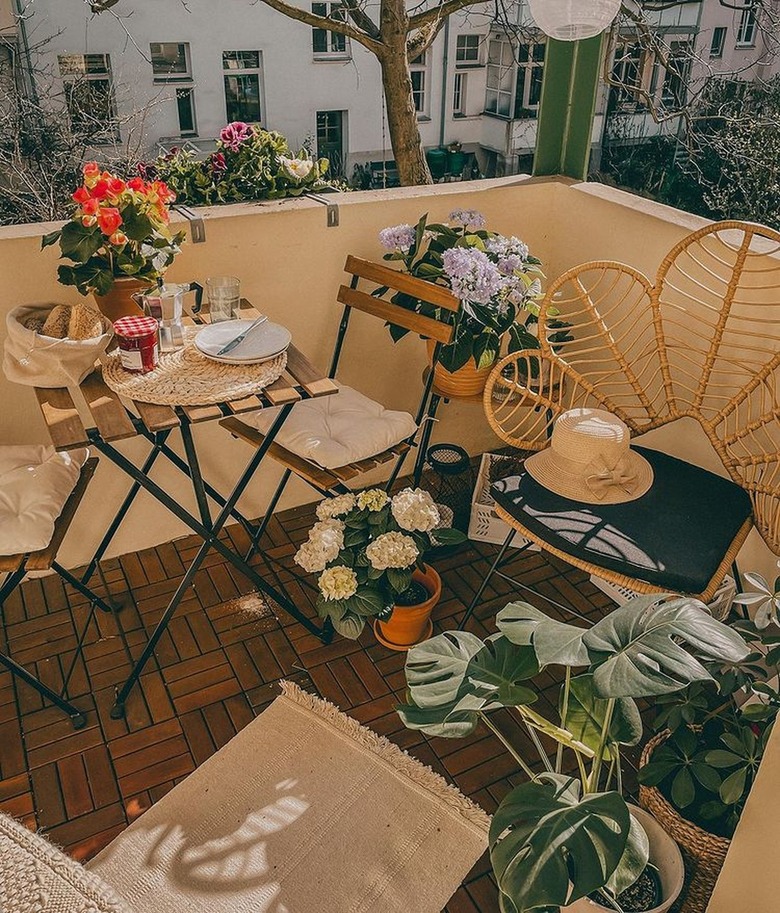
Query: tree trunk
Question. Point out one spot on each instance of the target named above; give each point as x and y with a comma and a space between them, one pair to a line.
402, 119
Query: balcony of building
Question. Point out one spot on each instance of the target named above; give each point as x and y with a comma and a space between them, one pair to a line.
226, 649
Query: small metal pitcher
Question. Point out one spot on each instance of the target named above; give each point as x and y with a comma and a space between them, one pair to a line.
166, 305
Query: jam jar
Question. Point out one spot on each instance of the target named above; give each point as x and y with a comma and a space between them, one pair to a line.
138, 346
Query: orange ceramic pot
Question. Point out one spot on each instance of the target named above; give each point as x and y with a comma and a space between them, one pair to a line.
466, 381
119, 301
409, 625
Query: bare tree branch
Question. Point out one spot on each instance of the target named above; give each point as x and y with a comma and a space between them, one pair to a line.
440, 12
361, 18
324, 22
419, 41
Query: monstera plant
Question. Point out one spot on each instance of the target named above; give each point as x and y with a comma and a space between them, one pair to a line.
565, 835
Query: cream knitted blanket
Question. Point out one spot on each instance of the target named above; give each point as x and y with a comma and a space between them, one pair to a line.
36, 877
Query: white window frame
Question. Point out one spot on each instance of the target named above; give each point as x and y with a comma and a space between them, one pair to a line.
186, 76
686, 46
464, 62
71, 78
246, 71
338, 168
338, 47
627, 93
459, 93
190, 90
182, 82
513, 78
420, 66
718, 43
746, 28
502, 72
527, 68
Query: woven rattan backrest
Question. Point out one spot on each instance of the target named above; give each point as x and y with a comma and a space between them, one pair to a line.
718, 300
702, 342
611, 361
614, 344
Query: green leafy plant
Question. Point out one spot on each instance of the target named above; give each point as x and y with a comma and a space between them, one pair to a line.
365, 548
715, 735
118, 229
249, 164
496, 279
560, 836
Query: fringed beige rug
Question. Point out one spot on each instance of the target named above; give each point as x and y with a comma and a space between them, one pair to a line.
304, 811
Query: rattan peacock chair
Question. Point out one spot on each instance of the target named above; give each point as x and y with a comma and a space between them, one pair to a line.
701, 343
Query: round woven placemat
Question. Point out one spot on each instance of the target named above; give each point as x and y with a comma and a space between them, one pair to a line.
187, 378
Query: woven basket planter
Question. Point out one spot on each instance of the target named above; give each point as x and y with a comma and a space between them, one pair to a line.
704, 853
466, 381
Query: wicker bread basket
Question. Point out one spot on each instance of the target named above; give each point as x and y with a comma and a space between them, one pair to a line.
704, 853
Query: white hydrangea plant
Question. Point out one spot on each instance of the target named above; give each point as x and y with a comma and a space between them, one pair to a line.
365, 548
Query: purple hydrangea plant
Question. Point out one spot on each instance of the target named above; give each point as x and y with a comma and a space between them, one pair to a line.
472, 275
397, 238
494, 276
468, 218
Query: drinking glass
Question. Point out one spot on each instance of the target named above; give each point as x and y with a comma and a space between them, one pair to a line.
224, 294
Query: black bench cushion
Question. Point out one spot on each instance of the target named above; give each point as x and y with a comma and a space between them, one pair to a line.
674, 537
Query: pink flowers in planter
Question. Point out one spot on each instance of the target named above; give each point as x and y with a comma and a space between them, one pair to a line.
235, 134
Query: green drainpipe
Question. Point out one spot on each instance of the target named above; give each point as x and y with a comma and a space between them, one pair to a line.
571, 80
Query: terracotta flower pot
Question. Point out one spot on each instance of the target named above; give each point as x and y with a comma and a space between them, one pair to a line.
466, 381
119, 302
408, 625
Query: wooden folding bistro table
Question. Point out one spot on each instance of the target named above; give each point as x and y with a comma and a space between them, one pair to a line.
113, 420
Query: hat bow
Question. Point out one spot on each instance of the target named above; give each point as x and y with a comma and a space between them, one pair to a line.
600, 478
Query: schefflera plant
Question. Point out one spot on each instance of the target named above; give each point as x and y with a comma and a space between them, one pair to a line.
562, 836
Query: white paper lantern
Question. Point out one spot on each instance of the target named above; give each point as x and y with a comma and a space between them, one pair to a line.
571, 20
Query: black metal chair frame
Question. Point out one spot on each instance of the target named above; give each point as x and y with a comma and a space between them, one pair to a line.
14, 579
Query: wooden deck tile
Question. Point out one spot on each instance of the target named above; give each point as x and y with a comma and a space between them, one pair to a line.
219, 666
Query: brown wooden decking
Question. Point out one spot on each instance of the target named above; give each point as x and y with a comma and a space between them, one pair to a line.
216, 668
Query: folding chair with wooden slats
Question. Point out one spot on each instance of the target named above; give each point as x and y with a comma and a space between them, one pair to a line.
16, 567
389, 286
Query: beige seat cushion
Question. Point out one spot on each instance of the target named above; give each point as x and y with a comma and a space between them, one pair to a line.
35, 877
304, 811
35, 483
334, 431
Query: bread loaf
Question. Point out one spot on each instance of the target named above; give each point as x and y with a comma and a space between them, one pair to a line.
57, 322
85, 323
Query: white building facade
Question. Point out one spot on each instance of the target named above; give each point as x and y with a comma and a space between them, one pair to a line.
190, 70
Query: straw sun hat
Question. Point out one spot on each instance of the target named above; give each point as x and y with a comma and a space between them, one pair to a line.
589, 460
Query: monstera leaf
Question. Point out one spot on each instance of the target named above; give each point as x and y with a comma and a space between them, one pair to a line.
436, 668
550, 845
586, 711
633, 861
496, 671
447, 722
455, 676
637, 650
553, 641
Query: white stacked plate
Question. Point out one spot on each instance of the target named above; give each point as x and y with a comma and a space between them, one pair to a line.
265, 342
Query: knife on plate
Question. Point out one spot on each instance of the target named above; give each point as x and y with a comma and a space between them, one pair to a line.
242, 336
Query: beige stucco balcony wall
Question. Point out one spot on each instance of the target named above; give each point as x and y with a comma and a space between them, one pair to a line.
291, 263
